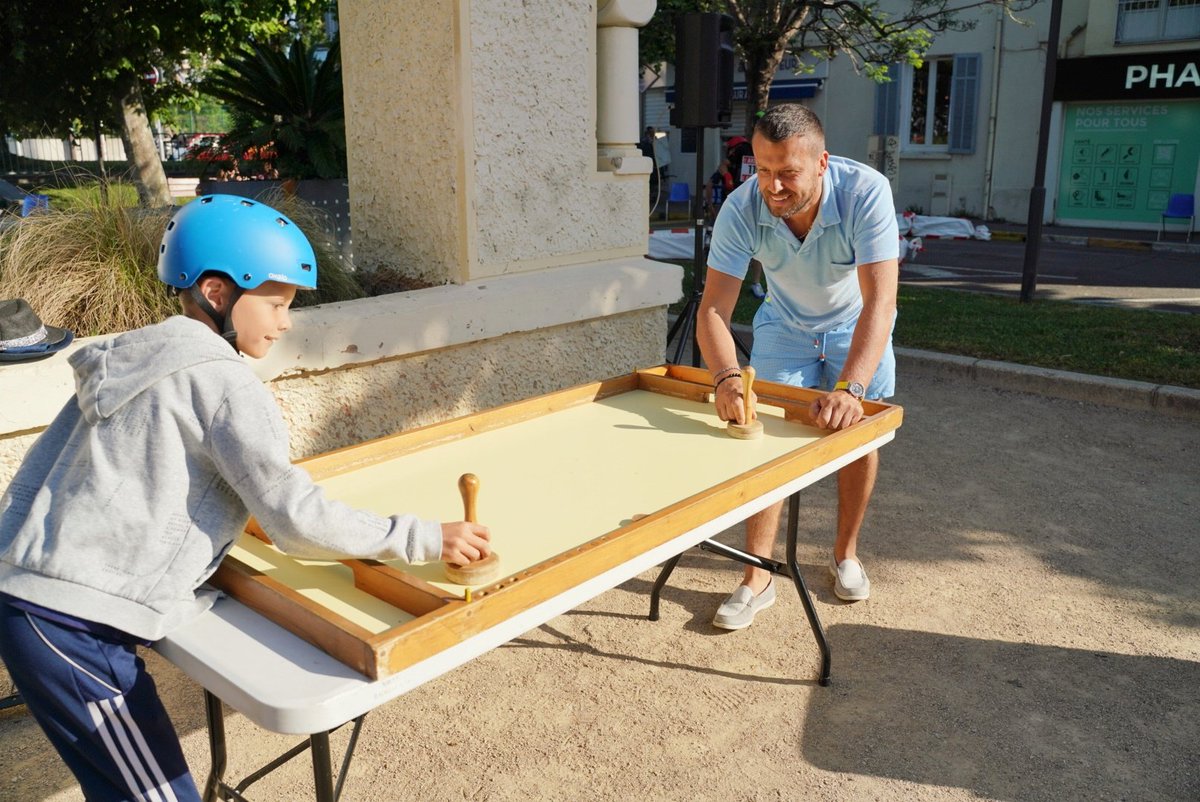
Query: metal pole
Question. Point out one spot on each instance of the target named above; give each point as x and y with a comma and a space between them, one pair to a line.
698, 265
1037, 196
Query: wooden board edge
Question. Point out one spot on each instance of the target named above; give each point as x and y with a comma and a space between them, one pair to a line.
304, 618
386, 583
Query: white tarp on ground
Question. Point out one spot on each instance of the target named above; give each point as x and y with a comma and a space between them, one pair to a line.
681, 244
675, 243
919, 225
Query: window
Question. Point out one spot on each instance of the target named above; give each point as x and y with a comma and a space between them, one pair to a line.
927, 122
1157, 20
932, 108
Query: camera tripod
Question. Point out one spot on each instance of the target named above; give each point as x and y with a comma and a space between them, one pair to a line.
685, 325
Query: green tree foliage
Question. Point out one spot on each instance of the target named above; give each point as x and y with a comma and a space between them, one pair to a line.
768, 30
287, 102
67, 64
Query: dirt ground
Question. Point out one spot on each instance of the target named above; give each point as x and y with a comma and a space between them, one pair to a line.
1033, 633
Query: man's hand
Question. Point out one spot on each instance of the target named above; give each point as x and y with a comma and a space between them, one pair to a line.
836, 410
465, 542
729, 401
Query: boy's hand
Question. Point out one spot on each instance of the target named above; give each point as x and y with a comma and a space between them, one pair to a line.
465, 542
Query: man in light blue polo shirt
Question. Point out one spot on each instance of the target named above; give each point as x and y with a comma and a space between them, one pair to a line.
824, 229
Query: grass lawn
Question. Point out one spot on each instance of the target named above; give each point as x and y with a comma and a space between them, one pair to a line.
88, 195
1158, 347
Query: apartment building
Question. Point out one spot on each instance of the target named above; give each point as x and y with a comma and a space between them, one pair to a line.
958, 135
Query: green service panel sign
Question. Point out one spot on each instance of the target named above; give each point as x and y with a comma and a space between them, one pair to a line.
1121, 161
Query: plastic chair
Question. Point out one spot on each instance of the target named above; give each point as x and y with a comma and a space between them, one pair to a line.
680, 193
1183, 207
31, 203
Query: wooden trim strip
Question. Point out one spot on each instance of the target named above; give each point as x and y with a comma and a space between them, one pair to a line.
410, 594
301, 616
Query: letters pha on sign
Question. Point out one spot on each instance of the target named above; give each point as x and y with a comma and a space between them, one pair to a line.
1164, 74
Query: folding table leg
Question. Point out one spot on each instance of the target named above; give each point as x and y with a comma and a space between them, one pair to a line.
810, 610
216, 747
323, 780
660, 583
322, 767
791, 569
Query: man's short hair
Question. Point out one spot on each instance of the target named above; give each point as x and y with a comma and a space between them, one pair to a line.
790, 120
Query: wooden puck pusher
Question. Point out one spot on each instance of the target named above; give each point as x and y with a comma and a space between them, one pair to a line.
481, 571
752, 428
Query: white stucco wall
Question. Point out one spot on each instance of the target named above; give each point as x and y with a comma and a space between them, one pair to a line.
351, 371
497, 171
407, 192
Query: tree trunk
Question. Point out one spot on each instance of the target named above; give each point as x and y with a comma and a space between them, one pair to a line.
760, 72
149, 176
98, 135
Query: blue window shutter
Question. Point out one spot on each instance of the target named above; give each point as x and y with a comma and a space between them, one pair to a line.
964, 103
887, 104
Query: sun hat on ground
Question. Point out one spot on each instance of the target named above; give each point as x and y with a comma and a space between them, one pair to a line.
23, 335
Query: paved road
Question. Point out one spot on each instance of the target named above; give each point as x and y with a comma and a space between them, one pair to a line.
1131, 277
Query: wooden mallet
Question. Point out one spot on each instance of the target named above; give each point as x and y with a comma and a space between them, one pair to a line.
481, 571
752, 428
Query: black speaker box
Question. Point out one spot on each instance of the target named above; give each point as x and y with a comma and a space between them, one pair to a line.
703, 70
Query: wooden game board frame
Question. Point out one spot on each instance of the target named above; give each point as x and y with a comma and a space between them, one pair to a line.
443, 620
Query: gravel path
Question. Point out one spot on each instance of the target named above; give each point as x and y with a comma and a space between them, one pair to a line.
1033, 633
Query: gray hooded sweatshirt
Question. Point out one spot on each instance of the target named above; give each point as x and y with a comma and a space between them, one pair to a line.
127, 503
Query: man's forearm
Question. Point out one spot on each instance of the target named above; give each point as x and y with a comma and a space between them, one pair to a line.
716, 341
870, 338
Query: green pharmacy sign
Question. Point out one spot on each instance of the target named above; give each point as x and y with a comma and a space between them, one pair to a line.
1122, 161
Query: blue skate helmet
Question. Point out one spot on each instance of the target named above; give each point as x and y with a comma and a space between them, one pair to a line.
247, 241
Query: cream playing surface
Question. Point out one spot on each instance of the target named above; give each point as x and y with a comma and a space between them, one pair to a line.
547, 485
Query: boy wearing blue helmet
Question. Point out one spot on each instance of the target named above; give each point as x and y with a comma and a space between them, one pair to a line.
132, 496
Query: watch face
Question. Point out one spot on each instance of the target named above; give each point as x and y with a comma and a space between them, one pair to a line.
857, 390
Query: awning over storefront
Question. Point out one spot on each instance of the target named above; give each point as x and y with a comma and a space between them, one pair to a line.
792, 89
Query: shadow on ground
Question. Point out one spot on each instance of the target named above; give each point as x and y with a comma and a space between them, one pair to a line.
1007, 721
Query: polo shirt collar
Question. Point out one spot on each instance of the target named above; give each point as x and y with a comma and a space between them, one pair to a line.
828, 213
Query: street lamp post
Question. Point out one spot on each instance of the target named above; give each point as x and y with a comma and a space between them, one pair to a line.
1037, 196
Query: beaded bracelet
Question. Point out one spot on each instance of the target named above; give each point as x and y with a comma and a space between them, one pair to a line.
726, 370
730, 376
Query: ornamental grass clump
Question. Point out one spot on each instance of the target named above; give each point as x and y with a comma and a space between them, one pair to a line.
91, 266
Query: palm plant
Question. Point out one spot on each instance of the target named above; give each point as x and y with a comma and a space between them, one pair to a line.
286, 106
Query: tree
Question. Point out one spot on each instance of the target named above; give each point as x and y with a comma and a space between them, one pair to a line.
287, 103
83, 62
768, 30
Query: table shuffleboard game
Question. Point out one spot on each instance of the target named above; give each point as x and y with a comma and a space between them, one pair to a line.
582, 490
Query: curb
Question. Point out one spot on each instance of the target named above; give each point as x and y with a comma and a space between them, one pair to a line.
1166, 399
1182, 402
1104, 242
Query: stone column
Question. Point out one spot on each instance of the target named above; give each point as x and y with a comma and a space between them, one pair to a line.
618, 121
472, 135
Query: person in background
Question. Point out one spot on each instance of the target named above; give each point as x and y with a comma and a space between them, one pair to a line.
741, 161
719, 185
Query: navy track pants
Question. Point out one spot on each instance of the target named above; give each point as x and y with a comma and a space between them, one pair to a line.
99, 708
